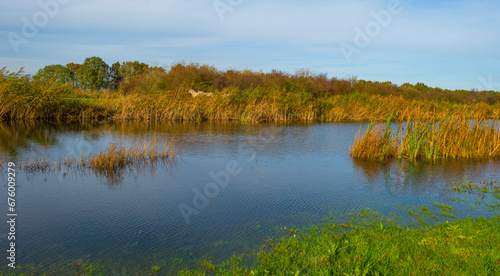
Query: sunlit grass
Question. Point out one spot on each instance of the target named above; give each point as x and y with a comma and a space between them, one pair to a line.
456, 136
238, 96
372, 245
111, 161
25, 99
368, 244
118, 156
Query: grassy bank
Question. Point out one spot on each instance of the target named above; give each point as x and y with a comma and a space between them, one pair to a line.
237, 95
371, 246
456, 136
379, 248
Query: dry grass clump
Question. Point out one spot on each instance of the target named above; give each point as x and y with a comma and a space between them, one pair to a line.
377, 142
453, 137
117, 156
112, 161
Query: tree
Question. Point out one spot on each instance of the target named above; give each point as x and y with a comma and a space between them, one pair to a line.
73, 68
93, 73
54, 72
421, 86
132, 69
115, 75
157, 69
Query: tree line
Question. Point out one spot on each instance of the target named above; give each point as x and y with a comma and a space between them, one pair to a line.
140, 78
94, 73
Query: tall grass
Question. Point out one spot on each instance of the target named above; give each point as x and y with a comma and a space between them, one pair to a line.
119, 156
456, 136
27, 99
110, 162
279, 105
237, 95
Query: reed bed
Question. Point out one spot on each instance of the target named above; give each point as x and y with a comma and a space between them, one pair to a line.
25, 99
119, 156
110, 162
454, 137
278, 105
239, 96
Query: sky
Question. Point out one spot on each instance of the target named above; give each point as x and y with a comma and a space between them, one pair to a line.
442, 43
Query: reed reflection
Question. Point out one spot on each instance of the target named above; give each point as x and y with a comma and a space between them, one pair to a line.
422, 177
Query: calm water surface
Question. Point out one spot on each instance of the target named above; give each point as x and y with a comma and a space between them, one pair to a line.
273, 176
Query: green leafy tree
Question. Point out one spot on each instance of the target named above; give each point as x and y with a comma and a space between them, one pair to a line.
55, 72
132, 69
93, 73
73, 68
422, 87
115, 76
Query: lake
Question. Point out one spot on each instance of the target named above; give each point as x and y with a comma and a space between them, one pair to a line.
232, 187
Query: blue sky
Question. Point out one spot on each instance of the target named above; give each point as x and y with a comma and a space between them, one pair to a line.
449, 44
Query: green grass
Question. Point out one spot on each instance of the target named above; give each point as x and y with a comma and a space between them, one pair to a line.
462, 247
446, 210
470, 186
369, 246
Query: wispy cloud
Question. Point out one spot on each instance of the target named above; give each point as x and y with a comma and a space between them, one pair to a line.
456, 40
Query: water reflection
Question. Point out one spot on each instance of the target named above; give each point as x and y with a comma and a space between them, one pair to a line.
421, 177
260, 143
19, 135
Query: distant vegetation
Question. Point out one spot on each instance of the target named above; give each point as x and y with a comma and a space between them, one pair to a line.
135, 90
